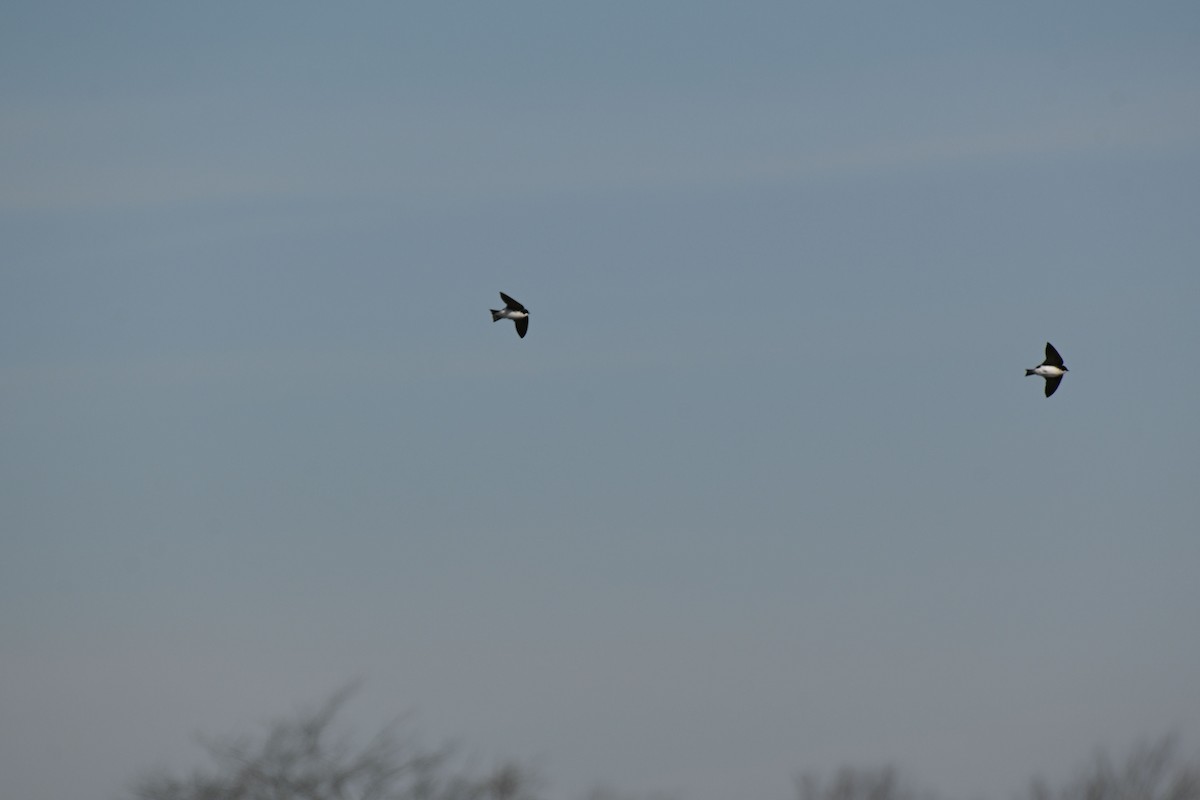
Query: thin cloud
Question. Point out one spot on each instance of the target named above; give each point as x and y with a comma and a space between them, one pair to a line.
154, 156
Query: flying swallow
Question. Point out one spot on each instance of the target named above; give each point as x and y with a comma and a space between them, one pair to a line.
1052, 369
514, 311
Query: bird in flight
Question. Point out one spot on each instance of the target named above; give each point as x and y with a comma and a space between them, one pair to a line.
514, 311
1052, 369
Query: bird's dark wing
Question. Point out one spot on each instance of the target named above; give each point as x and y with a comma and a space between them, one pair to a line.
522, 326
511, 304
1052, 385
1052, 356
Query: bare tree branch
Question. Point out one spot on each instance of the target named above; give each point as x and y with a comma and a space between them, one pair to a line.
301, 758
1152, 771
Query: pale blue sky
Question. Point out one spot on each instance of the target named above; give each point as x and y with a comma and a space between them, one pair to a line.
764, 489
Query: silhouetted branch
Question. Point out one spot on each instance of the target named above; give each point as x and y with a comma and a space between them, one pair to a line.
301, 759
1152, 771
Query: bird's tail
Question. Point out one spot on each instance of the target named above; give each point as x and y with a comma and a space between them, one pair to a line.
495, 314
1028, 372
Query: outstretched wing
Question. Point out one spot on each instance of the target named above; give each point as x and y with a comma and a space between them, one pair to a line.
522, 324
1052, 385
1052, 357
511, 304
